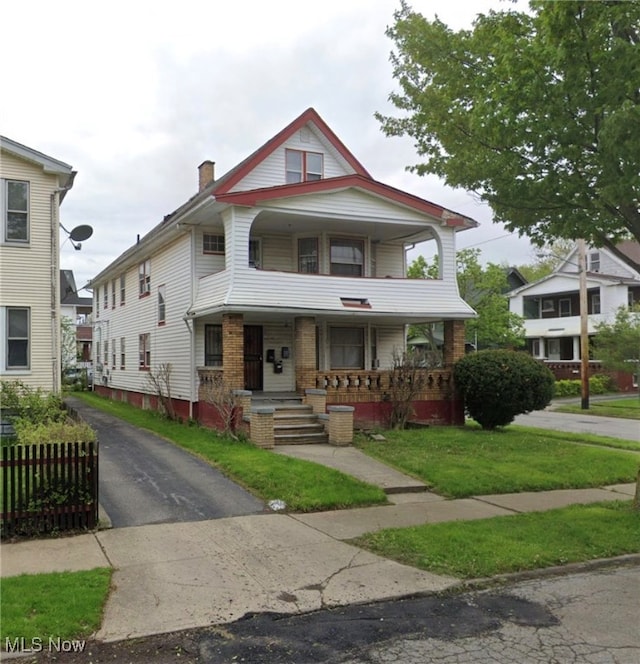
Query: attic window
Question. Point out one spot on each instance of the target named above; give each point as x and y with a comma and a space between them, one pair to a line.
302, 166
356, 302
594, 261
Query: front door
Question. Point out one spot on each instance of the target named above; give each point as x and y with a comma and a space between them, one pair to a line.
253, 357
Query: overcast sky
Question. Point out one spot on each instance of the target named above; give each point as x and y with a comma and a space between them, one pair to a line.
135, 95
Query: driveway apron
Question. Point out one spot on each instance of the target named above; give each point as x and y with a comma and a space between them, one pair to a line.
144, 479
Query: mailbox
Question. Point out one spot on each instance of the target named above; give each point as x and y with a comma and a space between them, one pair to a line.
277, 367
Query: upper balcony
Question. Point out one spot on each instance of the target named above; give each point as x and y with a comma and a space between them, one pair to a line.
388, 300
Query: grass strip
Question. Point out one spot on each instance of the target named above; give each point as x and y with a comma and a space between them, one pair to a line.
582, 438
60, 605
466, 461
477, 549
622, 408
303, 485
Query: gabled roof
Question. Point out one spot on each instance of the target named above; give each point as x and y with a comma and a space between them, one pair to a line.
69, 292
232, 177
48, 164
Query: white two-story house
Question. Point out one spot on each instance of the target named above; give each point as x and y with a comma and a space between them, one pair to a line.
551, 307
32, 186
285, 274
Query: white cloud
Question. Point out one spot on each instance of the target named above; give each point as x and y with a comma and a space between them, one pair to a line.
136, 94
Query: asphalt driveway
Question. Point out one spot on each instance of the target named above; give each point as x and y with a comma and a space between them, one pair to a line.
145, 479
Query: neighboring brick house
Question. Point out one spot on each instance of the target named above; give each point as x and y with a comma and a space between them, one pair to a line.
32, 186
285, 274
551, 308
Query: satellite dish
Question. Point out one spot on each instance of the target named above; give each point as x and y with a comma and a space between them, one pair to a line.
81, 233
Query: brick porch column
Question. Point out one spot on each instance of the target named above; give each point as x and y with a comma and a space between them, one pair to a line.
453, 341
233, 351
340, 425
305, 353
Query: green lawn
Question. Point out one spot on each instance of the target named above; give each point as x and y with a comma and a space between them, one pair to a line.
483, 548
303, 485
628, 408
466, 461
65, 605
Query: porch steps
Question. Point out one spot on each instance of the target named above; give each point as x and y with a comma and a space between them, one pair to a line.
297, 424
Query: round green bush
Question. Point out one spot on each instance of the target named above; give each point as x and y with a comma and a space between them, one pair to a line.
497, 385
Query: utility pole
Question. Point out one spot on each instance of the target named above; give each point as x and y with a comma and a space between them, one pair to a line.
584, 327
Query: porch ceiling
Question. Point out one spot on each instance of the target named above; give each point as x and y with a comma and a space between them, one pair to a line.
378, 230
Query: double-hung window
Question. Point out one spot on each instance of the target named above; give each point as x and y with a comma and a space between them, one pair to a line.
123, 280
347, 257
213, 345
308, 255
122, 352
162, 305
15, 211
144, 278
303, 166
565, 307
17, 340
144, 348
347, 347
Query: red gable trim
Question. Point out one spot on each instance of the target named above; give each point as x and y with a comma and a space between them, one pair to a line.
255, 196
310, 115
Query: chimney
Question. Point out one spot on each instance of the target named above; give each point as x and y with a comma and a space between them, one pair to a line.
206, 174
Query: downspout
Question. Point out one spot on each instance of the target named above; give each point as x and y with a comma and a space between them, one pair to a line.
56, 367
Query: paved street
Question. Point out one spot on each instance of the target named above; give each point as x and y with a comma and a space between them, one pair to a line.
145, 479
579, 423
588, 617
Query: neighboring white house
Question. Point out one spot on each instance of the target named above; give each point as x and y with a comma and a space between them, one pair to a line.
32, 187
287, 273
551, 306
77, 309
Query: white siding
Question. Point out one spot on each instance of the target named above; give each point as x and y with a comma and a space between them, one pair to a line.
277, 252
26, 274
275, 336
390, 341
170, 343
388, 261
271, 171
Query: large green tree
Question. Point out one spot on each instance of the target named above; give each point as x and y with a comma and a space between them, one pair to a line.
537, 112
483, 287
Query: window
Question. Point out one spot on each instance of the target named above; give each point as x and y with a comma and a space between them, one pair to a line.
303, 166
17, 338
113, 353
97, 301
212, 244
548, 306
347, 257
106, 352
347, 347
594, 261
535, 347
16, 211
213, 345
113, 294
308, 255
595, 303
122, 352
123, 279
255, 253
106, 296
565, 307
97, 352
162, 307
144, 278
144, 351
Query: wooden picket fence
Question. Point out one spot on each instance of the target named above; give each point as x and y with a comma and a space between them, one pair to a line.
47, 488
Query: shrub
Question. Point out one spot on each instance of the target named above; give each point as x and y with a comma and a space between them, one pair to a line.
497, 385
28, 433
26, 403
598, 384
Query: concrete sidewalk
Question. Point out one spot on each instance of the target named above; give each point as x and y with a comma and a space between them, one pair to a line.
184, 575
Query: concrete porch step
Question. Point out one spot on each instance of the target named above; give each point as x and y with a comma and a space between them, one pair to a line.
300, 439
